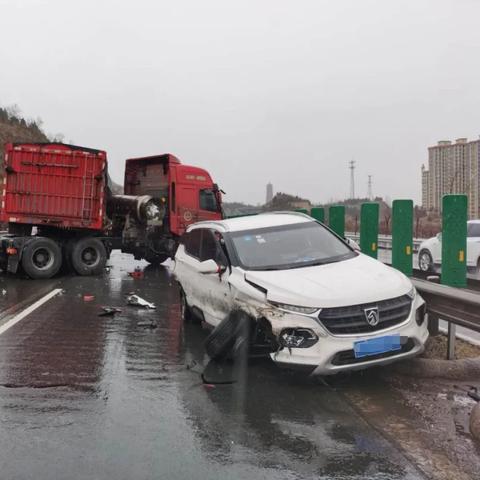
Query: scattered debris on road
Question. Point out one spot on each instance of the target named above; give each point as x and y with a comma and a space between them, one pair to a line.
152, 325
474, 393
136, 301
109, 311
137, 273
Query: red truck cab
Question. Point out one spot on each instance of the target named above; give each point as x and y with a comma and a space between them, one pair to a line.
189, 192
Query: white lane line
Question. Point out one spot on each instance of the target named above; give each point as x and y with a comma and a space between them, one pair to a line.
20, 316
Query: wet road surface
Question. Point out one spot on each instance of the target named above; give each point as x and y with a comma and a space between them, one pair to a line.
83, 397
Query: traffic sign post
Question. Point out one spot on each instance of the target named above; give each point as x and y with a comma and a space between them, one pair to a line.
336, 219
402, 236
369, 214
318, 213
454, 240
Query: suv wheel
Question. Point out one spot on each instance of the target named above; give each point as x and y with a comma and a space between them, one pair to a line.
185, 311
231, 337
425, 261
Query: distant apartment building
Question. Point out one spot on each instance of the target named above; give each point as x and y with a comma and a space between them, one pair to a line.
269, 193
452, 168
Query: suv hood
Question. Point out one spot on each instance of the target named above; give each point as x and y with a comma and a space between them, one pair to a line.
350, 282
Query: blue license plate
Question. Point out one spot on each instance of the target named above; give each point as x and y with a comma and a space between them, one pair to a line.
375, 346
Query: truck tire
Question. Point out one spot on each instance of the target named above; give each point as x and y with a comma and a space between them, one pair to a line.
41, 258
231, 337
88, 256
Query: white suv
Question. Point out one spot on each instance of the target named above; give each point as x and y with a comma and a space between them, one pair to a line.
309, 299
430, 251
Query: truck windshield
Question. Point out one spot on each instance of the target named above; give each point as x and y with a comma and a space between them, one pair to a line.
288, 246
208, 201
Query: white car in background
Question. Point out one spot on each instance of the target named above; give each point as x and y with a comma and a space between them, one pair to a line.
430, 251
287, 283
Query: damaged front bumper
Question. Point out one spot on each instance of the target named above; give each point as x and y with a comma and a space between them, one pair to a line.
329, 354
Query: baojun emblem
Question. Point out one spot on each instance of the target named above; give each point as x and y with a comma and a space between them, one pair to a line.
372, 317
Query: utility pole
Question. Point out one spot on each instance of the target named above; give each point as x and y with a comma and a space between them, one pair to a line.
351, 166
370, 192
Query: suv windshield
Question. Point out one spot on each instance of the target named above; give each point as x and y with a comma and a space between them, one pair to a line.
288, 246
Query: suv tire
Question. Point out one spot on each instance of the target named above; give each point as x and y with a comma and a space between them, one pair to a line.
231, 337
185, 311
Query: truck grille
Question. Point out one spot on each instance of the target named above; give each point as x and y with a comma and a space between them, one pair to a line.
351, 319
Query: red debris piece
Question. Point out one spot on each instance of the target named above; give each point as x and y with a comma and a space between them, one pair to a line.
137, 273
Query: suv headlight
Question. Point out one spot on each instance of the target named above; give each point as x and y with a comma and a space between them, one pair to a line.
412, 293
295, 308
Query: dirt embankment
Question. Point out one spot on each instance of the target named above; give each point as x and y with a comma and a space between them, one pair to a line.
436, 348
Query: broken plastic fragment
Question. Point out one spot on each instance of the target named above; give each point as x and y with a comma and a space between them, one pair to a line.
109, 311
137, 273
137, 301
151, 325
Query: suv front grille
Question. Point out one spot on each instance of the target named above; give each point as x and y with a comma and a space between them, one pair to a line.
351, 319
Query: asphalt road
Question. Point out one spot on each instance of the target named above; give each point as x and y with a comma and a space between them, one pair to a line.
89, 397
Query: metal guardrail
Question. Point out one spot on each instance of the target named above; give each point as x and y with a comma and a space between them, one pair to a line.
454, 305
385, 241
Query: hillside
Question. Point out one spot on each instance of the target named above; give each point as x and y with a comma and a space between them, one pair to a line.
14, 128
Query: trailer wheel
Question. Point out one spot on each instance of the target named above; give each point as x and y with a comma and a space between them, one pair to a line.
41, 258
88, 256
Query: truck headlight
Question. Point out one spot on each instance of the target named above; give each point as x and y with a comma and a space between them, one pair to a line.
295, 308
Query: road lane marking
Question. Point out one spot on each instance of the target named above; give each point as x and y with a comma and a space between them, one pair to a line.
20, 316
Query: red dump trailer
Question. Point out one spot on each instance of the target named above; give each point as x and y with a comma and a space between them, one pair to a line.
59, 208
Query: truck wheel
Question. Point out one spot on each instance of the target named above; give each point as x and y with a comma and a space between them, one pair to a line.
42, 258
88, 256
230, 337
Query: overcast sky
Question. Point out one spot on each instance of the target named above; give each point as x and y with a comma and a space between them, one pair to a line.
254, 91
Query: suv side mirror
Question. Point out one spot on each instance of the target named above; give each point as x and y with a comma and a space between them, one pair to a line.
353, 244
208, 266
439, 236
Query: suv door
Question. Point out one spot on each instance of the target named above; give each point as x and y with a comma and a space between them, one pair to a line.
214, 286
186, 265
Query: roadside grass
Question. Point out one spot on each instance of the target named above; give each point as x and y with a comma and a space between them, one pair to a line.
436, 348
